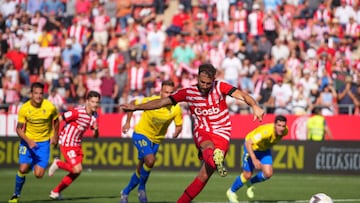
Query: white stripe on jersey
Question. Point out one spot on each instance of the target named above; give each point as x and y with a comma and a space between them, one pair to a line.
77, 123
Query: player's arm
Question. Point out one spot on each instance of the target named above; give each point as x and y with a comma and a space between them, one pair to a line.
20, 130
178, 121
153, 104
129, 115
248, 144
55, 138
328, 132
96, 130
257, 110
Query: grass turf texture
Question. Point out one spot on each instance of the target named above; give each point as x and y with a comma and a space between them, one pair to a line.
104, 186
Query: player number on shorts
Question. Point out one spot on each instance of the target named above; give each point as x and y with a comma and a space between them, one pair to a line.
142, 143
71, 154
22, 150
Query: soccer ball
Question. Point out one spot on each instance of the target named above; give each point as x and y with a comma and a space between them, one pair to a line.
320, 198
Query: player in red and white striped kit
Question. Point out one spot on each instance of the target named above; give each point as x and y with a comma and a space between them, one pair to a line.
212, 131
78, 120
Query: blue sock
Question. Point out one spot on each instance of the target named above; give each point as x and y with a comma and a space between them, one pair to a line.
259, 177
238, 183
144, 175
19, 182
134, 181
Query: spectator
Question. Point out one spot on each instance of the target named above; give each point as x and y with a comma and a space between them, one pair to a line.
52, 6
247, 73
279, 51
270, 25
281, 97
8, 7
109, 91
57, 100
284, 24
71, 57
264, 96
346, 96
300, 101
123, 13
343, 13
178, 21
302, 32
183, 53
230, 68
150, 77
136, 78
93, 82
222, 7
255, 19
100, 25
121, 79
327, 100
156, 39
239, 16
53, 72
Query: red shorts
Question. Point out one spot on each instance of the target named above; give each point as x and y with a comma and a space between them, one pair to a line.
72, 155
219, 142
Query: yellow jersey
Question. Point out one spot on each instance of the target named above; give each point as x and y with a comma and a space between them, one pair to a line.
38, 121
154, 123
264, 137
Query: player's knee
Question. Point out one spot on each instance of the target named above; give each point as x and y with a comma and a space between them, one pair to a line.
77, 169
267, 174
247, 176
38, 175
150, 162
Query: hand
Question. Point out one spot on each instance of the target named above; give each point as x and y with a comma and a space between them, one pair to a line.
257, 163
258, 113
128, 107
126, 128
32, 144
54, 140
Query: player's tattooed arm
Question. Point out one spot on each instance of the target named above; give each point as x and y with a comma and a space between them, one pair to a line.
20, 130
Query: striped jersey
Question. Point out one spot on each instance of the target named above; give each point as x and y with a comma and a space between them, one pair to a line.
210, 112
77, 122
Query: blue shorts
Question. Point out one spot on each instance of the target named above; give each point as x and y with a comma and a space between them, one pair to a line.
36, 156
265, 157
144, 145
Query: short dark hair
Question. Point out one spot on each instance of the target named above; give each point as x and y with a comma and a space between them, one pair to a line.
168, 83
93, 94
280, 118
36, 85
208, 69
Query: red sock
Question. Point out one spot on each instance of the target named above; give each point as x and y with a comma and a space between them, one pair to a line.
64, 165
208, 154
65, 182
192, 191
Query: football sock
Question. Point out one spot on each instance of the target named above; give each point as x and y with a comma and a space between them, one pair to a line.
238, 183
19, 182
192, 191
259, 177
208, 154
65, 182
65, 166
134, 181
144, 175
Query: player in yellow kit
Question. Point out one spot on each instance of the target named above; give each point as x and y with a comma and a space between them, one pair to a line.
257, 155
148, 134
37, 127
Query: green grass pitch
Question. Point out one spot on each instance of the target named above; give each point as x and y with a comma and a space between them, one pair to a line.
104, 186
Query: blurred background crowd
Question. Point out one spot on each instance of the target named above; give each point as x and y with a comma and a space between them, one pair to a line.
290, 55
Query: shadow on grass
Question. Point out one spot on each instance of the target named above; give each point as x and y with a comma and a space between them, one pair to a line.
75, 199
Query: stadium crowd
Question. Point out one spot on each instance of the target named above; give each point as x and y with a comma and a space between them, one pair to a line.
290, 55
